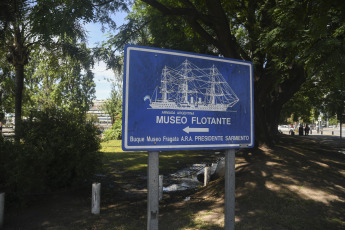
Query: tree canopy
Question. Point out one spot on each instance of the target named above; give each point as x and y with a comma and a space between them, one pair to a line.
50, 34
293, 45
289, 42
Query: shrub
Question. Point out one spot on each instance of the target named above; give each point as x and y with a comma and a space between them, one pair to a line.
115, 132
58, 149
5, 149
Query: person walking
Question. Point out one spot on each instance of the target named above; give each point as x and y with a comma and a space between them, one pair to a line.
306, 130
300, 130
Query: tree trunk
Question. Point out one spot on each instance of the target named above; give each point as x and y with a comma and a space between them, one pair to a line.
266, 116
19, 83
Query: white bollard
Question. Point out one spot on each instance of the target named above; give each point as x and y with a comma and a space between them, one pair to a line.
206, 175
160, 187
96, 198
2, 208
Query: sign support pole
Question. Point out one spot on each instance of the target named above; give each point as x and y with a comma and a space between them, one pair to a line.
152, 191
229, 221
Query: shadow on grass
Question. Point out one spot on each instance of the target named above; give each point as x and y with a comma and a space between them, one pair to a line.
297, 184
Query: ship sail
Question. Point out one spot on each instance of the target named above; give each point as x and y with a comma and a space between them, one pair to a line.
189, 87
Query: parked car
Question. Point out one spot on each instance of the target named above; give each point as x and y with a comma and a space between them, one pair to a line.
287, 129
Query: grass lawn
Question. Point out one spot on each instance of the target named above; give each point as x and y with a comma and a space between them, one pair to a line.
169, 161
299, 183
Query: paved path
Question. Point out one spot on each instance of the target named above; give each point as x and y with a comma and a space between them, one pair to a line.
334, 141
325, 131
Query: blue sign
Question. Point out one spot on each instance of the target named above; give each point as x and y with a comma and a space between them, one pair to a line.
177, 100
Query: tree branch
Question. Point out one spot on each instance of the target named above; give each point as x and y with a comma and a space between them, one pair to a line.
216, 20
103, 3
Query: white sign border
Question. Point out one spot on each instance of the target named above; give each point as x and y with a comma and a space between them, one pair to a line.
186, 147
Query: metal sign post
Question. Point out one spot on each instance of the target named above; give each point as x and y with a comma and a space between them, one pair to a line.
229, 217
153, 193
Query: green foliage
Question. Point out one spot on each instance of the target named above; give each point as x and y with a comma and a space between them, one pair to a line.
289, 42
113, 105
6, 86
303, 103
92, 118
53, 80
5, 150
47, 28
115, 132
147, 27
58, 149
333, 121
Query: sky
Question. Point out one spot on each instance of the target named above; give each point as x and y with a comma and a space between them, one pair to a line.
102, 77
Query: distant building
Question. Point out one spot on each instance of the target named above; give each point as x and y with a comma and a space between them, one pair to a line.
104, 119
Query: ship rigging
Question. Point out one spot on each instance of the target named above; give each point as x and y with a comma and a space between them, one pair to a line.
189, 87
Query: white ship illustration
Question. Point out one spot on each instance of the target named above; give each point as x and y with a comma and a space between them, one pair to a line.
189, 87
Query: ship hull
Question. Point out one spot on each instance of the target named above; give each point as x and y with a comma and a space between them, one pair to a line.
173, 105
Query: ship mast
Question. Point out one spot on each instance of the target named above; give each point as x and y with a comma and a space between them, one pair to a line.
185, 81
164, 89
213, 87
